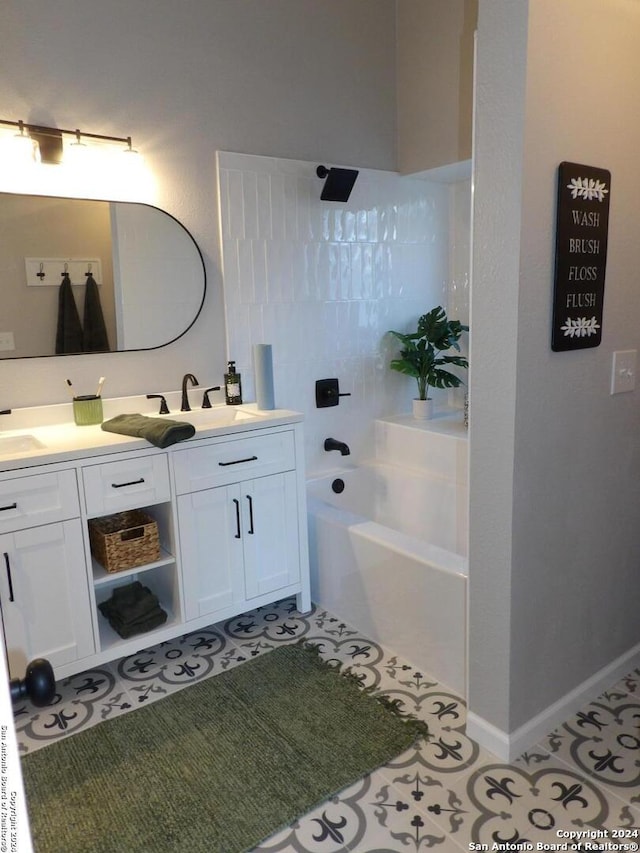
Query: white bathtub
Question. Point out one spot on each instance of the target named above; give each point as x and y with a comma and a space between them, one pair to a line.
388, 555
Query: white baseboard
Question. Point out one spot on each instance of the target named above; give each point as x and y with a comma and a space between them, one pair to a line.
509, 745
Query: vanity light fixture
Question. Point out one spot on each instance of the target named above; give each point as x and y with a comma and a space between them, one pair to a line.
48, 141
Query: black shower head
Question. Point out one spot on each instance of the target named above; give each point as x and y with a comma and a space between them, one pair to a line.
339, 183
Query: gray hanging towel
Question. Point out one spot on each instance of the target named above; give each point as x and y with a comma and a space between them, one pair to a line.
69, 330
95, 332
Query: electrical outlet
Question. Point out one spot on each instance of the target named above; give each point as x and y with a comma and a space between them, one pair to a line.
623, 371
6, 341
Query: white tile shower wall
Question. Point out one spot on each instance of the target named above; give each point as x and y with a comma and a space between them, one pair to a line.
459, 269
323, 282
460, 244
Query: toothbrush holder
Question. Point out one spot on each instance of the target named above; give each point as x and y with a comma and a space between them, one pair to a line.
87, 410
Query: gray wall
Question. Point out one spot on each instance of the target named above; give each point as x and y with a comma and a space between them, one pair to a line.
290, 78
435, 82
555, 473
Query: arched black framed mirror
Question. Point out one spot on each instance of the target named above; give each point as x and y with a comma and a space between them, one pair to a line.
149, 269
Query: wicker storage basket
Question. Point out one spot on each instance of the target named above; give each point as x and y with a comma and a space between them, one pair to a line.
124, 540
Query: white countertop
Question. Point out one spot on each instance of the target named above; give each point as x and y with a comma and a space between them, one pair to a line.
53, 428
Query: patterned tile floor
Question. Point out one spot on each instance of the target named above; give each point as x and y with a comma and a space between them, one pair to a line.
447, 794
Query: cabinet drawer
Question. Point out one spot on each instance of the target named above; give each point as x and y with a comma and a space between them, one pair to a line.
127, 484
38, 499
218, 464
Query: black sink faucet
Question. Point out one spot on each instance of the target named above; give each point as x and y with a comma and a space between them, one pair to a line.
332, 444
188, 377
164, 409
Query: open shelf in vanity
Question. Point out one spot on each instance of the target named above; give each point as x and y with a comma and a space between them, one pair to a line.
161, 579
101, 577
142, 484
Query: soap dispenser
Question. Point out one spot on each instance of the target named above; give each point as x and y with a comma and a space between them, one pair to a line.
232, 386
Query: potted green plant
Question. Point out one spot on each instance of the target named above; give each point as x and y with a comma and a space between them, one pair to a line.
422, 356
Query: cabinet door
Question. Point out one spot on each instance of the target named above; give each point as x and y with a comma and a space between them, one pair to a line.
44, 596
270, 533
211, 548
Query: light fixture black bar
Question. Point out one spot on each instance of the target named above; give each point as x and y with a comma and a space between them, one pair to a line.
57, 131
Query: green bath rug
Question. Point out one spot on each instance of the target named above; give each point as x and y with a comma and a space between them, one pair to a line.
216, 767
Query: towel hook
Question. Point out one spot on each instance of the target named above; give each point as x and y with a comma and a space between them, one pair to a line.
41, 274
88, 272
66, 270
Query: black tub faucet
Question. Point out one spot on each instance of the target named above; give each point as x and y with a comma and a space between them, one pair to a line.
188, 377
332, 444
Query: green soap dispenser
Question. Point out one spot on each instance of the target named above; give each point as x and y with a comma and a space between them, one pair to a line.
232, 386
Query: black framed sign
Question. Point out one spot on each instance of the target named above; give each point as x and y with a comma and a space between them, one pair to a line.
582, 227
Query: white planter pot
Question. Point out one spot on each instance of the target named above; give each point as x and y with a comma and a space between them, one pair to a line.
423, 409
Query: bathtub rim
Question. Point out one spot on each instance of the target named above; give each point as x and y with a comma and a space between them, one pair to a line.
437, 558
447, 423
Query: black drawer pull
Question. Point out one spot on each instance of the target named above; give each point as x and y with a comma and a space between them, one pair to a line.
237, 503
14, 505
238, 461
250, 514
132, 483
9, 581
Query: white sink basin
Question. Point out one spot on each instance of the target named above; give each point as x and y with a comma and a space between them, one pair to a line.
214, 417
23, 443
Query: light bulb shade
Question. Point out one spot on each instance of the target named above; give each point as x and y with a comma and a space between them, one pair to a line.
132, 157
22, 150
77, 154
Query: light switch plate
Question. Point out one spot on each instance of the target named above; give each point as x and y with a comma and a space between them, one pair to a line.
623, 371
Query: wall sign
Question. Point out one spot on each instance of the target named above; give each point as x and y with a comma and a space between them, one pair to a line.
582, 228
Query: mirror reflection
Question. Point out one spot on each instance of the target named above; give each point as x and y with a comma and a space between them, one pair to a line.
93, 276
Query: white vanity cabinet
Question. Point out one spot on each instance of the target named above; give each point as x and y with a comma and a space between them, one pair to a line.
238, 515
230, 510
43, 581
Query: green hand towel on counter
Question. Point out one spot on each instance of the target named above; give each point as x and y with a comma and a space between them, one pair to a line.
158, 431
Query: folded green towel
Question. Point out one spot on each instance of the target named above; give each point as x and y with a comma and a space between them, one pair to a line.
132, 610
131, 629
130, 603
158, 431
